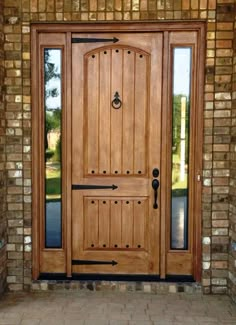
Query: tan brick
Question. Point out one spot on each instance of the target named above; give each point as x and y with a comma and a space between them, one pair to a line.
219, 264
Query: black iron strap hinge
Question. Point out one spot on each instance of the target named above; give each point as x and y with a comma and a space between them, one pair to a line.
94, 40
93, 187
88, 262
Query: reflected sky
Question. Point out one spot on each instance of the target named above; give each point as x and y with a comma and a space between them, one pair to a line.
53, 102
182, 64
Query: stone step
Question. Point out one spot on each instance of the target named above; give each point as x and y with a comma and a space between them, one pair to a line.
120, 286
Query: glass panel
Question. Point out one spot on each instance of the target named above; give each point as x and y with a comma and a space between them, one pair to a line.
53, 108
180, 147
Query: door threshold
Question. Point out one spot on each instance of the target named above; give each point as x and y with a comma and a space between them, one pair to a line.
125, 283
116, 277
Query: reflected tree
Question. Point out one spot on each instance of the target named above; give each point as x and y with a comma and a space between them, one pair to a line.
53, 116
176, 125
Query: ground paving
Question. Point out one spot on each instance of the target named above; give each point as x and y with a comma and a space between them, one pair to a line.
114, 308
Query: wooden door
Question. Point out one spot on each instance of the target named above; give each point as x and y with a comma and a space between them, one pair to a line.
116, 230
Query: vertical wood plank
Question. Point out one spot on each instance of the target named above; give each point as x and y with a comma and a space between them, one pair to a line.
92, 113
127, 224
115, 224
154, 151
67, 157
91, 208
104, 112
165, 160
104, 224
116, 114
141, 111
128, 111
140, 216
78, 112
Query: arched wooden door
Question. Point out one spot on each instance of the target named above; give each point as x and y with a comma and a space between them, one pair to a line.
116, 142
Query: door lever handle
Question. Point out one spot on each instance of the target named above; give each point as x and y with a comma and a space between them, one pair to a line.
155, 185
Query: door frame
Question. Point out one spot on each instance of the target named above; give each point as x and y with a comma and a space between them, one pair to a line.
62, 38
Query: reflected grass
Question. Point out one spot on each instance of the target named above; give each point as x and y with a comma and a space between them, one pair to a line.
176, 182
53, 181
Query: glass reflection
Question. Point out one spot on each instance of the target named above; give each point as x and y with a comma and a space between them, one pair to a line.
53, 108
180, 147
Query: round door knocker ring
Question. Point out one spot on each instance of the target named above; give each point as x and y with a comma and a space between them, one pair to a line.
116, 103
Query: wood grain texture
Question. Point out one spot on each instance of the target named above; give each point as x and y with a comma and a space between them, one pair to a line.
116, 114
104, 112
179, 263
66, 163
141, 113
115, 144
92, 73
115, 141
128, 112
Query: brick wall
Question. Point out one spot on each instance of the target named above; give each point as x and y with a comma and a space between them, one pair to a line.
232, 247
221, 86
220, 16
2, 163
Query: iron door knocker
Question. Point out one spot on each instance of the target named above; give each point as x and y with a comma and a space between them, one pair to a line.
116, 103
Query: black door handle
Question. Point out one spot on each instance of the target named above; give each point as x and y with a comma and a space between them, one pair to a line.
155, 185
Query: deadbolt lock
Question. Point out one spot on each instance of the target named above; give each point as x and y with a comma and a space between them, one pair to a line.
155, 172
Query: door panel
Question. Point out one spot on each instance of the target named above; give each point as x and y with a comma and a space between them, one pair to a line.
110, 145
115, 140
115, 223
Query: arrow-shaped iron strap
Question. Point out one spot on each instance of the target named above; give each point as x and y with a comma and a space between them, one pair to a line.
95, 40
89, 262
93, 187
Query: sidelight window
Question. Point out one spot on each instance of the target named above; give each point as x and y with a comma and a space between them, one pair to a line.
52, 144
181, 93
